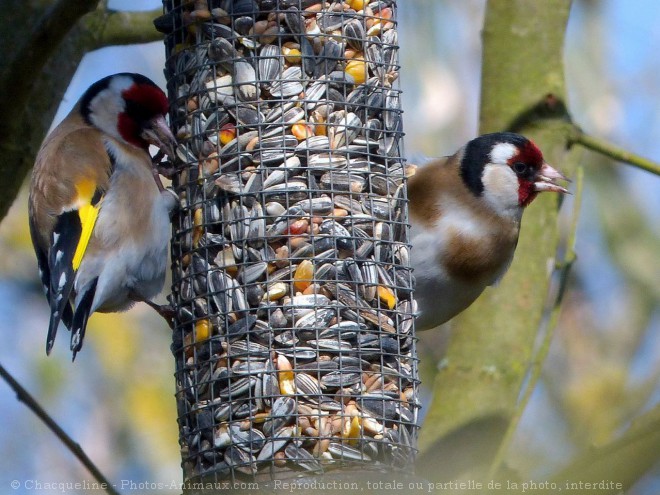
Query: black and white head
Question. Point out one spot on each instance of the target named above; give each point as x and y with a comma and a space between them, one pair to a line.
130, 108
507, 170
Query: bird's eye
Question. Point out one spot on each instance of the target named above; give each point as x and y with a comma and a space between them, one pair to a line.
520, 168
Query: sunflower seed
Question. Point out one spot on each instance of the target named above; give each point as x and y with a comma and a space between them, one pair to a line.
291, 241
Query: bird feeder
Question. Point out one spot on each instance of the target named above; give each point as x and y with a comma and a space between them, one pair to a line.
294, 339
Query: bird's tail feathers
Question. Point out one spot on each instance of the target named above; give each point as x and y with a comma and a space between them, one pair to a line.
60, 272
80, 317
57, 314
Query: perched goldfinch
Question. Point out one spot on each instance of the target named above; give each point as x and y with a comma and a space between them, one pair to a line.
465, 213
99, 216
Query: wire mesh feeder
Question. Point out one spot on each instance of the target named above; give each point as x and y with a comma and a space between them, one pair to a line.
294, 345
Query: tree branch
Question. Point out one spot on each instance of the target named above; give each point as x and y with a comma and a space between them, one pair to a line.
624, 460
125, 28
608, 149
39, 45
24, 396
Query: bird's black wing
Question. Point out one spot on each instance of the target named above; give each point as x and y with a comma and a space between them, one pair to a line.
61, 274
68, 244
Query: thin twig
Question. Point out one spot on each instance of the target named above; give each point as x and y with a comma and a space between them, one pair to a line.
608, 149
624, 460
546, 328
24, 396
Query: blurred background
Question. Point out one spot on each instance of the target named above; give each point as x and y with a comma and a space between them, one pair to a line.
603, 370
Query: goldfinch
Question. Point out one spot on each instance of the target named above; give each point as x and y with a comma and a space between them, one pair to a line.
99, 216
465, 213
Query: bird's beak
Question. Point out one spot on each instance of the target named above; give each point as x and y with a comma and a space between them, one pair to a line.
545, 180
158, 133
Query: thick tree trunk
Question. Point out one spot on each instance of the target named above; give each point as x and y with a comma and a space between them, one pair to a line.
523, 90
35, 77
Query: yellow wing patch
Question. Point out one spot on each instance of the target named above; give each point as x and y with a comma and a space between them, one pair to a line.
88, 214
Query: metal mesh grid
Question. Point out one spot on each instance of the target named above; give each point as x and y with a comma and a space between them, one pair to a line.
294, 342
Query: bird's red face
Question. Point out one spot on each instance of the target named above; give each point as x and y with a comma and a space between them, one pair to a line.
144, 103
534, 174
143, 120
129, 107
507, 170
526, 164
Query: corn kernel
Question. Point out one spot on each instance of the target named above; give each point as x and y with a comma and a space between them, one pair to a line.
285, 376
351, 430
301, 131
227, 133
291, 55
357, 5
358, 70
299, 227
304, 275
386, 296
202, 330
198, 219
386, 13
321, 130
